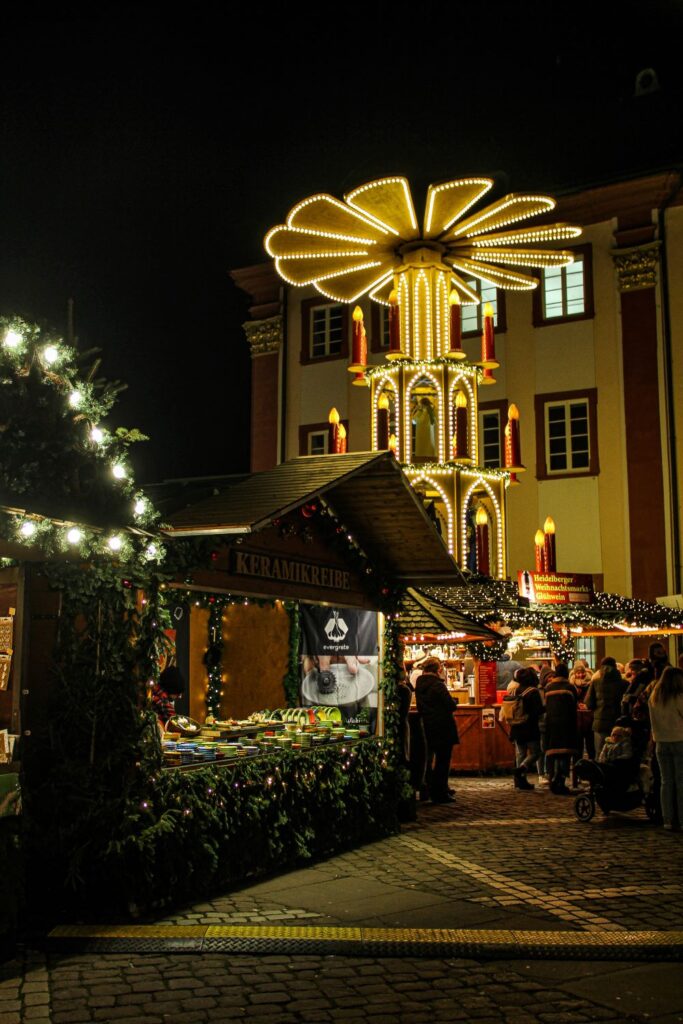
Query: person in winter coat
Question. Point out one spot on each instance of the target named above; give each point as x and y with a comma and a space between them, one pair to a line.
527, 702
604, 700
561, 733
658, 657
580, 678
666, 719
436, 706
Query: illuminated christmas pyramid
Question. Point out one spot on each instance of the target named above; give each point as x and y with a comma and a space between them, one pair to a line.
424, 398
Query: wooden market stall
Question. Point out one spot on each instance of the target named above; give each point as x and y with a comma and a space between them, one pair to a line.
345, 530
428, 626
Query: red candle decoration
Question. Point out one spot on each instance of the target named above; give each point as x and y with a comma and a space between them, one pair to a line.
482, 521
455, 349
359, 349
460, 448
513, 453
488, 343
360, 380
550, 557
383, 422
487, 377
539, 547
394, 327
333, 420
342, 442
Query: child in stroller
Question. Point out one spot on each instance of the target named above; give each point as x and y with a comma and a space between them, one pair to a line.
618, 781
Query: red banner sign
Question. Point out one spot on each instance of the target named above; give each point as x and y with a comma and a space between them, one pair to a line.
555, 587
487, 678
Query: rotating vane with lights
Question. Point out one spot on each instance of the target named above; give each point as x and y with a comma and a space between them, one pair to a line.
424, 397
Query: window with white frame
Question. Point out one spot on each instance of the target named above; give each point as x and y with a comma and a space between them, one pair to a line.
327, 331
564, 290
473, 316
567, 436
318, 441
490, 453
586, 648
384, 327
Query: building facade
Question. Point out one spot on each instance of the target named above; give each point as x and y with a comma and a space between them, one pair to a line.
593, 360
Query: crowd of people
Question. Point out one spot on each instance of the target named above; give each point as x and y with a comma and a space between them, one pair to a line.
618, 716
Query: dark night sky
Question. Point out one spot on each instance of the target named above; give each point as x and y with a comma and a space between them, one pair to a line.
144, 154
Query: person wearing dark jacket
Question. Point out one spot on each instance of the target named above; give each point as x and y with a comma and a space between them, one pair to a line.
436, 707
604, 697
525, 734
561, 733
658, 658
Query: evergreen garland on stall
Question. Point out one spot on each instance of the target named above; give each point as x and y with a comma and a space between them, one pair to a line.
192, 833
292, 680
104, 740
214, 656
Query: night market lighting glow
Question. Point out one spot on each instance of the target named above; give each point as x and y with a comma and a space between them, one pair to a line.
427, 479
549, 233
462, 381
56, 365
51, 354
495, 275
509, 210
384, 186
472, 196
383, 215
481, 481
12, 339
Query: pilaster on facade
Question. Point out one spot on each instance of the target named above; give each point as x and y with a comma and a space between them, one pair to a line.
637, 266
265, 337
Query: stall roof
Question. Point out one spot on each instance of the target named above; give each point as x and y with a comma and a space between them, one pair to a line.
366, 490
421, 614
607, 615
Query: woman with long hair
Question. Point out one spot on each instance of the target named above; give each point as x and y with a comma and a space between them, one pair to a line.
666, 720
604, 699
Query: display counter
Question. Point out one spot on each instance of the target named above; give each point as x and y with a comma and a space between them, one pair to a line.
484, 741
218, 743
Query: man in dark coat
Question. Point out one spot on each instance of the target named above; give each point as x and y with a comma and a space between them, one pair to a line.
561, 732
436, 706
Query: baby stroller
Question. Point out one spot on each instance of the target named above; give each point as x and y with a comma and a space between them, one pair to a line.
615, 786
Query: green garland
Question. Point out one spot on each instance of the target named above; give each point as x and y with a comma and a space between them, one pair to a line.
61, 461
488, 650
292, 680
214, 655
391, 673
104, 742
193, 833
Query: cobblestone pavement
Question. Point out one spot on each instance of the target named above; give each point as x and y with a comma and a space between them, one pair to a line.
496, 859
186, 989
